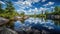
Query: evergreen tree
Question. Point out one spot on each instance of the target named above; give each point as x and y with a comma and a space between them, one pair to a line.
57, 10
10, 7
10, 10
1, 10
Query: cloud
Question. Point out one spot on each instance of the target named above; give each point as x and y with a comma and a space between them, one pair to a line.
36, 0
23, 4
52, 7
30, 11
21, 10
2, 2
45, 4
20, 0
33, 1
30, 1
43, 9
49, 3
44, 0
33, 10
27, 3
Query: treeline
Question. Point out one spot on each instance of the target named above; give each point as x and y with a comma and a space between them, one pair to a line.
37, 15
55, 12
9, 12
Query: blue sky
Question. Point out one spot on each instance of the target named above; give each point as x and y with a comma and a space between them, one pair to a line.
31, 6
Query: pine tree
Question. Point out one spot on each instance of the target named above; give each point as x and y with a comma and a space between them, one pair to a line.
10, 10
10, 7
1, 10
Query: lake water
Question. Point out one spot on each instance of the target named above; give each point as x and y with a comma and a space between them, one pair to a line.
38, 23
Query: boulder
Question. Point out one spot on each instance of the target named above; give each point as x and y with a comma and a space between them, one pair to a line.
17, 18
3, 21
7, 31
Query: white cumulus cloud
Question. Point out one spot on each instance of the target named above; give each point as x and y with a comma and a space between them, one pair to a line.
52, 7
32, 1
23, 4
43, 9
36, 0
44, 0
49, 3
2, 2
28, 3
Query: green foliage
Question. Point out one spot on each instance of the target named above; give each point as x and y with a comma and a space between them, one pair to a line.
1, 10
57, 9
9, 11
56, 12
10, 7
37, 15
46, 12
22, 14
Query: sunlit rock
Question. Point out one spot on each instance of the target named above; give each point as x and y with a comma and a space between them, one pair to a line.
17, 18
26, 17
3, 21
7, 31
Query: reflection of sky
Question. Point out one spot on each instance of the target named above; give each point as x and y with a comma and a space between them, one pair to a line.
49, 24
17, 25
30, 6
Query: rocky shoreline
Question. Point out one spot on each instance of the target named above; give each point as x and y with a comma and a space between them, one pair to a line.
53, 17
31, 31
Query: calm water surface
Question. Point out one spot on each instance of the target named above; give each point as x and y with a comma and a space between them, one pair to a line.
37, 23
